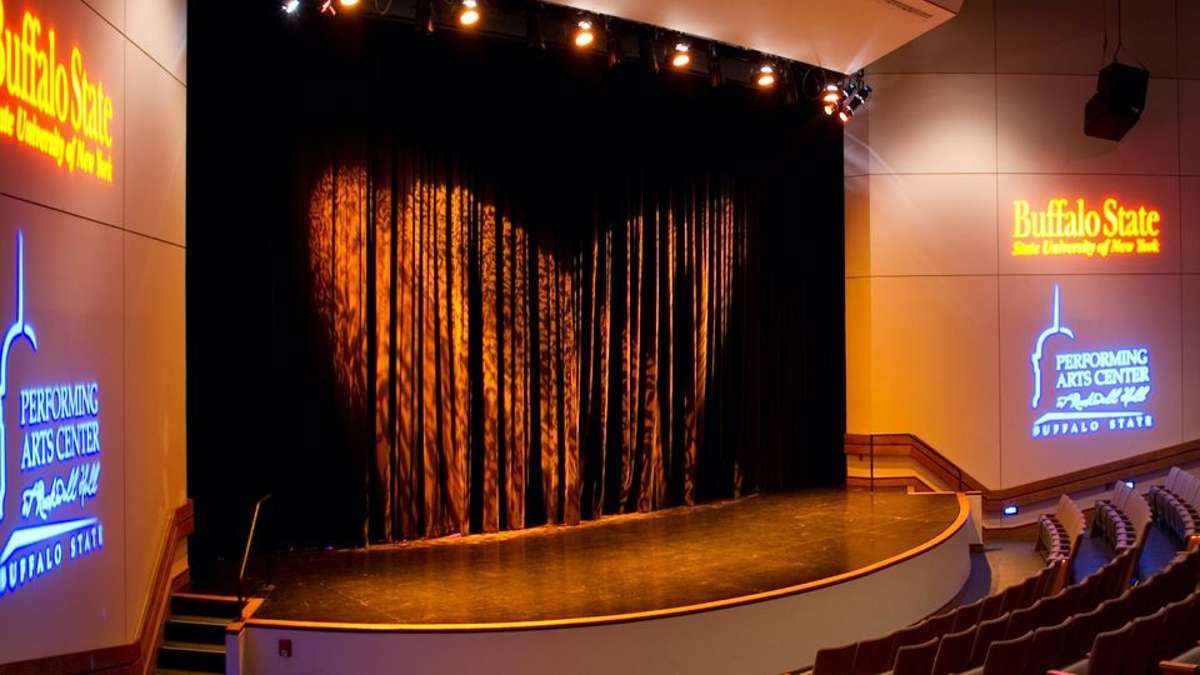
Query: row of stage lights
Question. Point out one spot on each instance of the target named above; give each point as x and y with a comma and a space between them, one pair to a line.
841, 98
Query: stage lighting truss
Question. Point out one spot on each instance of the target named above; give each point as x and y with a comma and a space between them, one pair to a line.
581, 30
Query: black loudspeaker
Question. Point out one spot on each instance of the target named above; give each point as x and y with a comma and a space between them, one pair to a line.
1118, 103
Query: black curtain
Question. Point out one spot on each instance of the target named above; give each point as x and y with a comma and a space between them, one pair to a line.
498, 287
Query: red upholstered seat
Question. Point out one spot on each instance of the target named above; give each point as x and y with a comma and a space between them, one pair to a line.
954, 652
916, 659
1106, 654
835, 660
967, 615
1047, 649
874, 656
992, 630
1008, 657
941, 624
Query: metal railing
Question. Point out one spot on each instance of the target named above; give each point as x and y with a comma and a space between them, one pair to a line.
241, 580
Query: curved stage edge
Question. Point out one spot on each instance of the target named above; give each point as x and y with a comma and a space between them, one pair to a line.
769, 632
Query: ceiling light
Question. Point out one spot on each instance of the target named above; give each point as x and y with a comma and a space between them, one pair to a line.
681, 58
765, 77
291, 6
584, 35
468, 14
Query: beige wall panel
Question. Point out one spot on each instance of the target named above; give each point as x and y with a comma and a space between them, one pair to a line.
934, 366
1189, 193
858, 356
160, 28
858, 226
933, 224
1067, 36
1040, 127
157, 143
933, 124
155, 464
1189, 126
1103, 314
856, 144
1153, 193
963, 44
113, 11
73, 302
1191, 357
31, 173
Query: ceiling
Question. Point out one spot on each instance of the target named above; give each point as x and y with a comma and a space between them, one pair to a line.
841, 35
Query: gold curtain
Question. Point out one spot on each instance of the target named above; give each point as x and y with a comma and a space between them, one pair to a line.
511, 373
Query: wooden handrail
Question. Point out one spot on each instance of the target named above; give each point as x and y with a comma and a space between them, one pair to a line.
1029, 493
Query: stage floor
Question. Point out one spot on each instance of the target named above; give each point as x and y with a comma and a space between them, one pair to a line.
615, 566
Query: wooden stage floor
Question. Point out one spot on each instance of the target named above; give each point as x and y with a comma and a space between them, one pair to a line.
614, 566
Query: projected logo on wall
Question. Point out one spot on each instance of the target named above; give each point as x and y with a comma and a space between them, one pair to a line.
1064, 228
50, 106
44, 518
1090, 391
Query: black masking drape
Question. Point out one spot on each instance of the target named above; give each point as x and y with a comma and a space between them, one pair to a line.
539, 290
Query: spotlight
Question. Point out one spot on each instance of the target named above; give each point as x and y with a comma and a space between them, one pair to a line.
1010, 510
291, 6
681, 58
468, 13
348, 3
832, 96
765, 77
845, 114
584, 35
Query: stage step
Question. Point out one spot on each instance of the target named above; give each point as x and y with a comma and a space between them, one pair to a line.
194, 656
194, 635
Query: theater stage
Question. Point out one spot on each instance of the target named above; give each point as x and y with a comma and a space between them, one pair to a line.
766, 580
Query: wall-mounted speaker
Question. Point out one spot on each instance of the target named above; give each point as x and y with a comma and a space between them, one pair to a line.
1118, 103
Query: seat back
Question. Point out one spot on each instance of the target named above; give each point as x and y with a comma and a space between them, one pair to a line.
874, 656
835, 660
910, 635
941, 624
1106, 654
1121, 493
1019, 596
1023, 620
1047, 649
967, 616
1008, 657
991, 607
954, 652
916, 659
1172, 479
1138, 652
992, 630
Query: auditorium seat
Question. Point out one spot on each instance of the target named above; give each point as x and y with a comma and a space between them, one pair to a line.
910, 635
967, 616
1046, 652
835, 660
1106, 653
989, 631
954, 652
1188, 662
991, 607
1138, 653
874, 656
941, 624
916, 659
1006, 657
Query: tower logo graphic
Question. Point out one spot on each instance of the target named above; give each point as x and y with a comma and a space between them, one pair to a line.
1090, 391
48, 478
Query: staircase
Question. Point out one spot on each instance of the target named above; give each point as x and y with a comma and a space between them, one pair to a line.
194, 636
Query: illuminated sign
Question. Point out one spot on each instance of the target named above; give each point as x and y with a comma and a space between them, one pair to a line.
57, 462
1091, 391
48, 102
1064, 228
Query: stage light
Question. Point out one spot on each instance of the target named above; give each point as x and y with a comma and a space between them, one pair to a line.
584, 36
832, 96
348, 3
1129, 484
468, 14
1010, 510
829, 108
681, 57
766, 76
845, 114
291, 6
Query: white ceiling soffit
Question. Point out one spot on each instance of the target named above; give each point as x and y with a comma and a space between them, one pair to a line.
841, 35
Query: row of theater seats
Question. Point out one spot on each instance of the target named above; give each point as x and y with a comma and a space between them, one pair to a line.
905, 650
1059, 534
1175, 503
1028, 622
1122, 519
